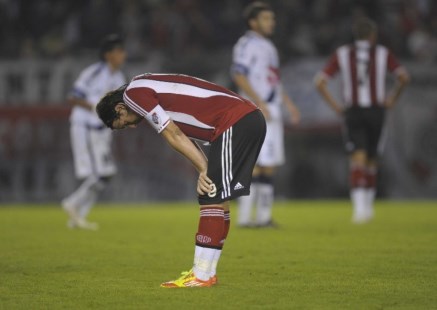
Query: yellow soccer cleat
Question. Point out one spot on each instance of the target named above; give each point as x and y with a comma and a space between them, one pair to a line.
188, 279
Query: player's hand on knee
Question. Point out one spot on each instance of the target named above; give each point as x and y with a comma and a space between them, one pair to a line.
204, 184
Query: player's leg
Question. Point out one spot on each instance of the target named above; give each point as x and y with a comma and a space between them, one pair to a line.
208, 245
218, 252
375, 127
206, 256
356, 145
83, 170
231, 160
261, 189
265, 199
100, 141
211, 232
210, 239
247, 138
246, 203
272, 155
81, 200
94, 188
371, 181
358, 185
94, 166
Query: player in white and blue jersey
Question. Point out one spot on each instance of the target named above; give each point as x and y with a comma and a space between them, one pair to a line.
90, 139
255, 70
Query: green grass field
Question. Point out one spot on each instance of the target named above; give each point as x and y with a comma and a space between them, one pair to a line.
316, 260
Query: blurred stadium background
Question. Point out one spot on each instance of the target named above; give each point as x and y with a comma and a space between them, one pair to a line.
45, 43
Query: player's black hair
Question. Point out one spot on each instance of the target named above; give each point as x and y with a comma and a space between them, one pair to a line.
363, 28
106, 107
109, 43
253, 9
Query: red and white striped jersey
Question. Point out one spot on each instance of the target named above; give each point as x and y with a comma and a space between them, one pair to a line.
363, 69
201, 109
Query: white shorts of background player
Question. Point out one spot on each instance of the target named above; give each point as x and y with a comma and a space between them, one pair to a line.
93, 163
92, 151
272, 152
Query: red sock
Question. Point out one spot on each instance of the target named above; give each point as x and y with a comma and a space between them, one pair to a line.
357, 177
227, 224
211, 228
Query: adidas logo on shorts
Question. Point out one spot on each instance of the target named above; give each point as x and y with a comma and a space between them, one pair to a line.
238, 186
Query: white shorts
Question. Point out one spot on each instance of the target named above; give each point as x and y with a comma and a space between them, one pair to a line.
272, 152
92, 151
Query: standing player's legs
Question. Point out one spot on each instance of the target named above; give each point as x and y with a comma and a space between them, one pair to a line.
93, 166
265, 197
262, 190
371, 176
375, 122
247, 203
358, 185
356, 145
260, 197
230, 165
271, 156
231, 159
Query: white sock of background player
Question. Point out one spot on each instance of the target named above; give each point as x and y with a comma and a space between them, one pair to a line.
88, 202
246, 205
85, 196
264, 203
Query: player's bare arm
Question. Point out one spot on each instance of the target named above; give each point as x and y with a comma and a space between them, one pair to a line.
182, 144
200, 149
244, 84
322, 86
73, 101
292, 108
402, 79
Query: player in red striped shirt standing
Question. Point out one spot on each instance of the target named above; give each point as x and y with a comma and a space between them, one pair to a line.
363, 67
184, 109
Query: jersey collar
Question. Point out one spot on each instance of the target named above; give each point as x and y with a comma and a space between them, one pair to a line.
255, 34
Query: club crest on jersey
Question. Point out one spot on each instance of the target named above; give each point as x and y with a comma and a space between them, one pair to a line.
155, 118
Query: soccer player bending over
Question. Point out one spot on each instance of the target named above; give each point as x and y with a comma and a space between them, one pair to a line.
182, 108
